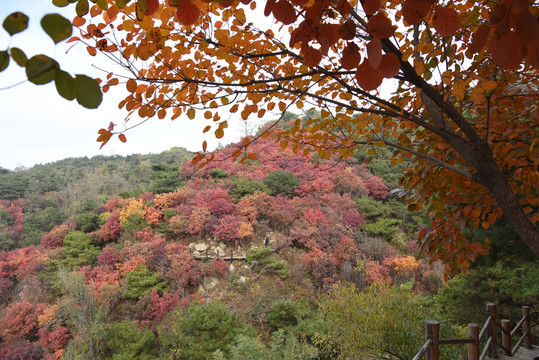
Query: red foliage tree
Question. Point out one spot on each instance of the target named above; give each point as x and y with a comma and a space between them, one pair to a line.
54, 238
111, 230
227, 228
20, 321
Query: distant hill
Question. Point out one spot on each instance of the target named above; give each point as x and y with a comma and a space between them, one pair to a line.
51, 193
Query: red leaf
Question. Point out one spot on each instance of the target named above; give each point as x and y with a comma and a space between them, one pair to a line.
374, 52
350, 56
327, 36
389, 66
380, 26
269, 7
122, 138
152, 6
284, 12
311, 56
367, 77
414, 11
479, 40
507, 51
343, 7
187, 13
371, 6
347, 31
446, 21
533, 60
111, 126
302, 34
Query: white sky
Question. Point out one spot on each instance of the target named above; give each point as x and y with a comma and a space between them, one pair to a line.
39, 126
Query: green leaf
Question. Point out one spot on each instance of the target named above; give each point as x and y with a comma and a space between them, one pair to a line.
4, 60
57, 27
191, 114
82, 7
19, 56
41, 69
143, 5
60, 3
65, 85
15, 23
122, 3
103, 4
89, 93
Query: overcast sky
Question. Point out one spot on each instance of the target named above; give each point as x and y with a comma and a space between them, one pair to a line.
38, 126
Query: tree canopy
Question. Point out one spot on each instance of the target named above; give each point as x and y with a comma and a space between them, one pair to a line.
451, 87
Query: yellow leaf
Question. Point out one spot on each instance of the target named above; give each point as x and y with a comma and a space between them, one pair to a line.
191, 114
459, 87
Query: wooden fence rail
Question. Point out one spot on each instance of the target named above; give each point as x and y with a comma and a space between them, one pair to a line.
431, 349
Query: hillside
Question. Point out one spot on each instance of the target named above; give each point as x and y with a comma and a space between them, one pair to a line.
41, 197
120, 280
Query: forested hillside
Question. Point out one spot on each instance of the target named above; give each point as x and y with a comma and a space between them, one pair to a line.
33, 201
134, 261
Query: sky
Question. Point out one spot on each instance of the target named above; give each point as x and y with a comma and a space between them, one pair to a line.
37, 126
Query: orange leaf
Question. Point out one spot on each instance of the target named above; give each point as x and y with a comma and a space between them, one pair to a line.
374, 52
446, 21
414, 11
113, 82
507, 51
347, 31
79, 21
206, 129
350, 56
380, 26
122, 138
368, 78
479, 40
104, 137
204, 145
236, 153
74, 38
152, 6
131, 85
252, 156
197, 159
187, 13
389, 66
311, 56
161, 114
371, 6
92, 51
219, 133
284, 12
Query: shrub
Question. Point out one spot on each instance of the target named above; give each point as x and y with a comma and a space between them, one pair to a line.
201, 330
281, 182
127, 342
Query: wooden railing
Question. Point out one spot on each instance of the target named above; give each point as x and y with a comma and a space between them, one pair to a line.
431, 349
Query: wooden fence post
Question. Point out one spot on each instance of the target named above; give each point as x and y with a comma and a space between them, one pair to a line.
433, 334
506, 337
491, 332
473, 347
527, 327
